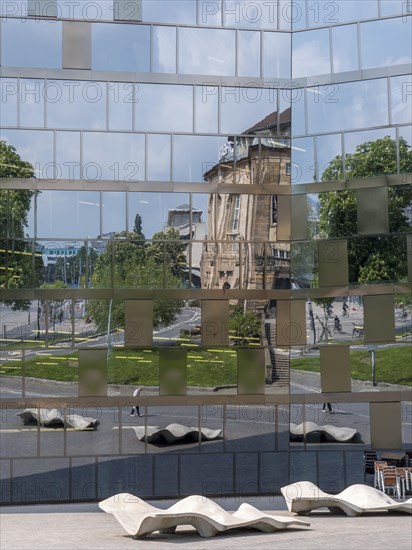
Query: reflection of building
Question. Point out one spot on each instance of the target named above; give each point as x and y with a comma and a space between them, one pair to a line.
179, 218
250, 255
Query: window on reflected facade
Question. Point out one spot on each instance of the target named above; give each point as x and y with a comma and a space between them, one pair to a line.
213, 201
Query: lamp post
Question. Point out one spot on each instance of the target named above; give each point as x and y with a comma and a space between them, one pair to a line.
372, 349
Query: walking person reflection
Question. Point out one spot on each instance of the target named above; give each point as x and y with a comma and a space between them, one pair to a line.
135, 409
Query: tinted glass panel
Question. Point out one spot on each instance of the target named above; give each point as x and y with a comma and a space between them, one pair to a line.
206, 51
121, 48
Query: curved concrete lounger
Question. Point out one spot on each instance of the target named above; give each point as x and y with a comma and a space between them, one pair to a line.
140, 519
52, 417
173, 433
305, 496
335, 433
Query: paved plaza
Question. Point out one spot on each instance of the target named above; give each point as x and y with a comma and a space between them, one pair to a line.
85, 527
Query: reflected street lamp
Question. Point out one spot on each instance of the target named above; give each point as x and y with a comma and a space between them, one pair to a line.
372, 349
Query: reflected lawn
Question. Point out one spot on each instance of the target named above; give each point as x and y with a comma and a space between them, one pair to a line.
393, 365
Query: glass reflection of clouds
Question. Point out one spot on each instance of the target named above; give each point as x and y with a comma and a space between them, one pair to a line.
206, 51
40, 43
386, 43
361, 105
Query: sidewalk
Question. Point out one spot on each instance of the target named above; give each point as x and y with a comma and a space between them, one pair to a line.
85, 527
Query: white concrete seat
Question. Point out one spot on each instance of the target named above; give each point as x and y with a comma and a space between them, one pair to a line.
140, 519
334, 433
53, 417
174, 433
304, 496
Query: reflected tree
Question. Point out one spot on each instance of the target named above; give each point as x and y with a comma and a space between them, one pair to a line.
377, 258
21, 266
131, 264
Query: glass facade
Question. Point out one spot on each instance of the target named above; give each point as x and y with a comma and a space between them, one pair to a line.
211, 200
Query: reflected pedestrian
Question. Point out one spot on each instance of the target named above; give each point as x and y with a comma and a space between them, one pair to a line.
329, 406
135, 409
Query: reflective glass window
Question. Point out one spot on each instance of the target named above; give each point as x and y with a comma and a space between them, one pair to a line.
244, 108
164, 11
393, 7
209, 13
328, 150
34, 146
303, 161
113, 213
68, 214
159, 157
8, 101
207, 109
405, 144
121, 96
164, 107
39, 43
194, 155
253, 15
276, 54
324, 12
76, 104
248, 53
91, 11
151, 213
164, 49
345, 48
31, 103
385, 43
346, 106
113, 156
68, 155
120, 47
206, 51
311, 55
293, 15
357, 143
401, 99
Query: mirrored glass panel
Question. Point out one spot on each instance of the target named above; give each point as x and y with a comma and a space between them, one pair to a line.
369, 143
401, 99
245, 14
40, 43
329, 157
345, 48
164, 49
158, 157
278, 65
206, 109
164, 11
114, 213
385, 43
361, 105
194, 156
121, 97
164, 108
68, 214
392, 7
121, 48
113, 156
91, 11
248, 110
154, 213
209, 13
68, 155
8, 101
327, 13
404, 144
311, 54
249, 53
303, 161
35, 147
206, 51
17, 213
76, 104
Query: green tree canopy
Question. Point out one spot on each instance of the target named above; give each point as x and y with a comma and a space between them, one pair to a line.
136, 266
19, 268
371, 259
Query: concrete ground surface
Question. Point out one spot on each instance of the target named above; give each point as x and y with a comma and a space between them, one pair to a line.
85, 527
